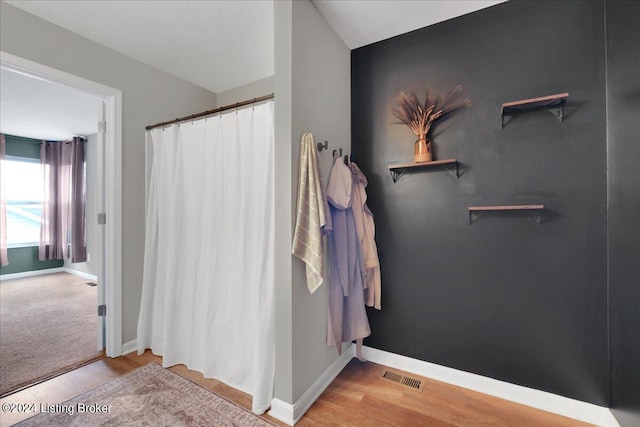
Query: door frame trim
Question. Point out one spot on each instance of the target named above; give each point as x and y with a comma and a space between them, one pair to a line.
112, 184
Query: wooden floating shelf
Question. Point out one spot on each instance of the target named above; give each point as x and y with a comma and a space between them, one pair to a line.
552, 103
397, 170
534, 208
506, 208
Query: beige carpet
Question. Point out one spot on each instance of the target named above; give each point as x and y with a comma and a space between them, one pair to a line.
149, 396
47, 323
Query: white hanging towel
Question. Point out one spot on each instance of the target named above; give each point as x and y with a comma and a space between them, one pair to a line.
312, 220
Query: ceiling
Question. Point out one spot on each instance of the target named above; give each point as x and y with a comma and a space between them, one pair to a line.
40, 109
215, 44
218, 45
362, 22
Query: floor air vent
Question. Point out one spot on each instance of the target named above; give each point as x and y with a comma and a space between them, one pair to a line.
92, 284
409, 382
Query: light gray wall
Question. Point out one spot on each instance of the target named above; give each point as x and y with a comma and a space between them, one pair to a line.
282, 11
321, 104
94, 250
317, 56
249, 91
313, 94
149, 96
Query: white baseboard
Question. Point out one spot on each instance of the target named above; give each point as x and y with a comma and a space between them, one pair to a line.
80, 274
291, 414
31, 273
48, 271
282, 411
543, 400
130, 347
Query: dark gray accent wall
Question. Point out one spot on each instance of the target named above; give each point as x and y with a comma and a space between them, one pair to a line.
503, 297
623, 87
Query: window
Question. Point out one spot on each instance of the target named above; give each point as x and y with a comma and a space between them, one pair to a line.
24, 192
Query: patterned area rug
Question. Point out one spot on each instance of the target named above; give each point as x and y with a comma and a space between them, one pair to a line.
149, 396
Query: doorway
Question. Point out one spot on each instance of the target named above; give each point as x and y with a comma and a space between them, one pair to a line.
110, 179
48, 320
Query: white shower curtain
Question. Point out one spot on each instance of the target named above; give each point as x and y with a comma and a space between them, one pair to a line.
207, 297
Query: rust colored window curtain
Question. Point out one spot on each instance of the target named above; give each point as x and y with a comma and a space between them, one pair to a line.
4, 259
62, 229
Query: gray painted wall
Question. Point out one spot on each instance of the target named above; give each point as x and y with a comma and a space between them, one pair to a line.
283, 15
623, 100
149, 96
312, 82
503, 297
569, 287
321, 104
242, 93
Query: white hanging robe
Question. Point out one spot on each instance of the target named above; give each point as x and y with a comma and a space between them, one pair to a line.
366, 230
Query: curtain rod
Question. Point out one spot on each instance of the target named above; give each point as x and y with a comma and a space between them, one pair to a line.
210, 112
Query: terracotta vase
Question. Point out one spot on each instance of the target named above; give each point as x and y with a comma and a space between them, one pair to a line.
422, 150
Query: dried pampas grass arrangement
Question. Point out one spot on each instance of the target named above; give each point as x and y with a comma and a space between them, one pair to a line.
420, 116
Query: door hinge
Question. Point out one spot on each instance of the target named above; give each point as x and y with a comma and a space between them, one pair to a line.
102, 310
102, 127
102, 218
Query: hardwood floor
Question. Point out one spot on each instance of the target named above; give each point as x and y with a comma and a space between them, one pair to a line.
357, 397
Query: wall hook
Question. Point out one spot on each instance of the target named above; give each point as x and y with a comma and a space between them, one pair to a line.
322, 146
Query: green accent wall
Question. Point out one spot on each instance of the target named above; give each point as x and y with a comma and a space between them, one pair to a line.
19, 146
26, 259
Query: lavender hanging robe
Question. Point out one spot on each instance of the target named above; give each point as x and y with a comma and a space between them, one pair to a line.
347, 314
